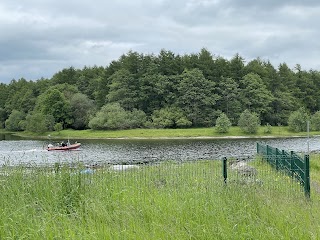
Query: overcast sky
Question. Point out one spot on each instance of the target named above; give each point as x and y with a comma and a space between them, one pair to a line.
41, 37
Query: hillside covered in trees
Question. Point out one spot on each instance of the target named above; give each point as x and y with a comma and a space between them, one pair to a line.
159, 91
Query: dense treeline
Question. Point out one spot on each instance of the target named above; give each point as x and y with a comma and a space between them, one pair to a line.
164, 90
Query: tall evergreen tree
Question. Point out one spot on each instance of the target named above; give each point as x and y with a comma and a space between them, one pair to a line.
124, 89
305, 90
229, 98
68, 75
206, 64
236, 68
255, 95
197, 98
169, 63
54, 103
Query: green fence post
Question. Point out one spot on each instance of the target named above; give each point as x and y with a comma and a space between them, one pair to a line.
307, 176
292, 164
267, 152
225, 174
277, 160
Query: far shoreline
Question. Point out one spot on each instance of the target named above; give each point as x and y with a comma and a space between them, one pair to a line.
149, 134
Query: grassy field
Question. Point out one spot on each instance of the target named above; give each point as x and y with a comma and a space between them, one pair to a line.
166, 133
165, 201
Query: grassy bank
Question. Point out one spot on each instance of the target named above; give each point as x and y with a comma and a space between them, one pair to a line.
164, 133
166, 201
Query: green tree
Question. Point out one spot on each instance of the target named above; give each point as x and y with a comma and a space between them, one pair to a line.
255, 95
190, 61
315, 121
21, 96
223, 123
22, 100
169, 117
297, 121
124, 89
4, 95
169, 64
103, 83
271, 79
205, 63
287, 78
256, 66
315, 77
136, 118
249, 122
152, 89
221, 69
88, 80
81, 109
68, 75
66, 89
3, 117
41, 85
39, 123
133, 63
236, 67
306, 91
113, 116
58, 127
54, 103
229, 101
197, 98
14, 122
267, 73
282, 105
167, 89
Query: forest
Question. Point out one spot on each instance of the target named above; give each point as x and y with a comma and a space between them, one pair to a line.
166, 90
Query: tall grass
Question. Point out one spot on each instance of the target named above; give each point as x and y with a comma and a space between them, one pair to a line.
163, 201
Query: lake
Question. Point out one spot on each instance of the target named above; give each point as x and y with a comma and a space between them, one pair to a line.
15, 150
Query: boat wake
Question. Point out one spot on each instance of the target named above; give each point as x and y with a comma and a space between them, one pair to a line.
35, 150
25, 151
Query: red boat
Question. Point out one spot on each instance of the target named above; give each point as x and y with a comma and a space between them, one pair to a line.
64, 147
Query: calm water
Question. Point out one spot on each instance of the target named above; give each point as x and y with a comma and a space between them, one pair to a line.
14, 150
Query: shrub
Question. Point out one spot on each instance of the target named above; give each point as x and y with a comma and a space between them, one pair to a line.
3, 117
136, 118
267, 129
113, 116
297, 121
223, 123
169, 117
249, 122
315, 121
38, 122
58, 127
13, 123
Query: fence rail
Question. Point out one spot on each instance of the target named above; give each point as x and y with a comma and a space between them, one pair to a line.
290, 163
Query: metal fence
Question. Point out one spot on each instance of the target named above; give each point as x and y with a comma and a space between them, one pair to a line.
242, 174
290, 163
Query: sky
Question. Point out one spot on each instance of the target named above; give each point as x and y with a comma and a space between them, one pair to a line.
39, 38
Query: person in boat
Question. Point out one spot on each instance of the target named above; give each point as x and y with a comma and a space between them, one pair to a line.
63, 144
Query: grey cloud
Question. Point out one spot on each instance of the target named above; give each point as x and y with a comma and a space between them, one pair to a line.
54, 34
268, 5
